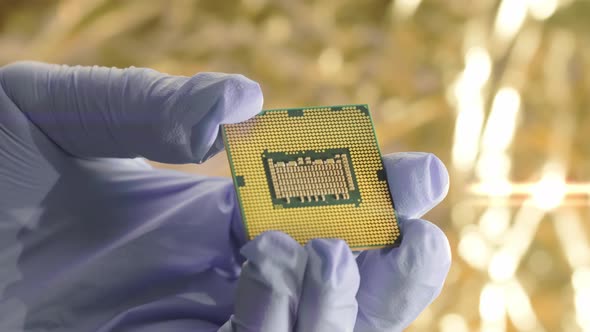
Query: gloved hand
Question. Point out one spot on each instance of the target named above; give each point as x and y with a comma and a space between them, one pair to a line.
89, 242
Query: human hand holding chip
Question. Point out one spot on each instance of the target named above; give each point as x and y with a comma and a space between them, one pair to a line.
317, 173
107, 244
322, 287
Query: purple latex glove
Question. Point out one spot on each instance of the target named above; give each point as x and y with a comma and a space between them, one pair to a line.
93, 243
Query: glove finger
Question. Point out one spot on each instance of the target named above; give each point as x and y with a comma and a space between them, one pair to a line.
398, 283
328, 300
269, 286
109, 112
418, 182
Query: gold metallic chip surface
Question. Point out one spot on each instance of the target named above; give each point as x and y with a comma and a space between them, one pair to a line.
313, 173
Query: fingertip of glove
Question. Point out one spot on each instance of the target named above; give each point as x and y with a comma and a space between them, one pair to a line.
244, 97
439, 178
328, 247
336, 261
203, 103
248, 96
427, 248
418, 181
274, 247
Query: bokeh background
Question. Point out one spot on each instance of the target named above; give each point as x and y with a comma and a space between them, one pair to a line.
497, 89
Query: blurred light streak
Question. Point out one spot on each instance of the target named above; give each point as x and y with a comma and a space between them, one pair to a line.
510, 18
516, 241
508, 298
503, 265
453, 323
473, 248
467, 92
519, 64
528, 188
493, 166
570, 233
492, 327
542, 9
467, 132
501, 123
581, 285
519, 308
492, 308
494, 222
550, 191
478, 67
498, 188
569, 229
482, 201
405, 8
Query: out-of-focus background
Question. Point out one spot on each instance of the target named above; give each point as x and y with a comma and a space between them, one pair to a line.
497, 89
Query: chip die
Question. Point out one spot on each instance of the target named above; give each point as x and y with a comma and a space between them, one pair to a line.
313, 172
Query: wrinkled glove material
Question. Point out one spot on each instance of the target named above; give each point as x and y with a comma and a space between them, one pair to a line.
92, 238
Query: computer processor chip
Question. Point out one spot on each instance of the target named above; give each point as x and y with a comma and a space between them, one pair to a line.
313, 173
